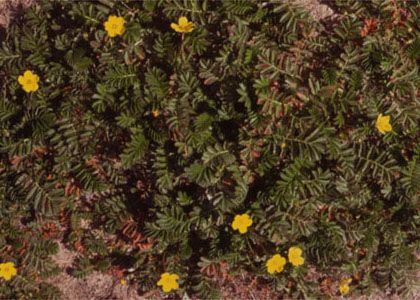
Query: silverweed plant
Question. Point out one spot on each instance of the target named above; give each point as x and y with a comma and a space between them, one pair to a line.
170, 140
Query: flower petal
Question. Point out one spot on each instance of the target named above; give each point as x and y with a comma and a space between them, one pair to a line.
175, 27
27, 74
175, 276
21, 79
26, 88
243, 229
189, 28
183, 21
248, 221
295, 251
34, 87
387, 127
166, 288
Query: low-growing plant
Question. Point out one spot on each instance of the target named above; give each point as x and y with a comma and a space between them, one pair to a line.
174, 140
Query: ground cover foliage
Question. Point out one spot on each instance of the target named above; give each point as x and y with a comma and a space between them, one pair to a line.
138, 151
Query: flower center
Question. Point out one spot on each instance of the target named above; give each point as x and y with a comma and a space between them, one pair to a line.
28, 81
114, 26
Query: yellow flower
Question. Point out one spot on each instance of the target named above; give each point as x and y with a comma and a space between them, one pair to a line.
183, 25
344, 286
382, 124
123, 281
7, 270
114, 26
295, 256
275, 264
241, 223
155, 113
168, 282
29, 81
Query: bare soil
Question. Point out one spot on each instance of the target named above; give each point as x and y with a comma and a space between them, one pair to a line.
95, 286
9, 8
316, 10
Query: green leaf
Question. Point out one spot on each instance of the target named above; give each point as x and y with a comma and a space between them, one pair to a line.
135, 149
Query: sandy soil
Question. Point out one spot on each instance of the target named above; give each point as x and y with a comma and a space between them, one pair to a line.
95, 286
316, 10
8, 8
